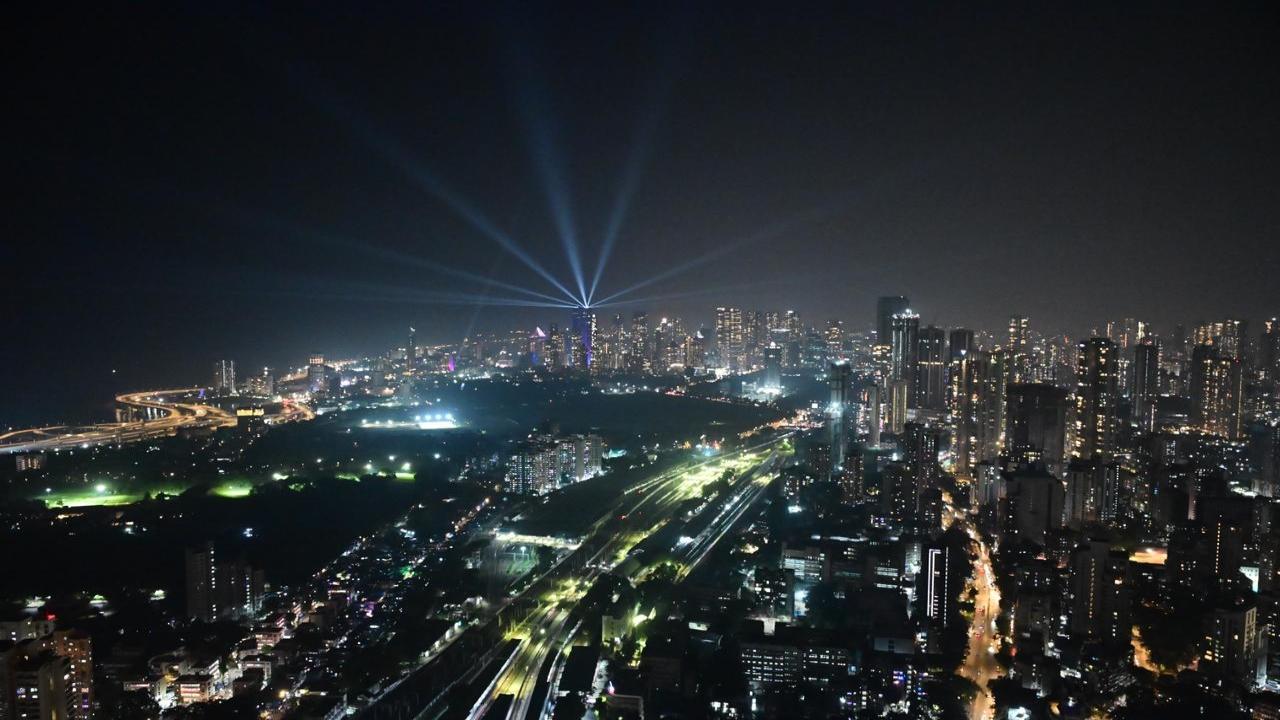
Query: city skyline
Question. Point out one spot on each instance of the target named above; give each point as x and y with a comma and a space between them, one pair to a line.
200, 222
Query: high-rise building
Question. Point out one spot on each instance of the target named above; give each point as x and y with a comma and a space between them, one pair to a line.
1019, 350
1100, 594
534, 468
224, 377
905, 351
1036, 426
729, 338
411, 351
1269, 350
1146, 383
980, 408
220, 589
1216, 391
840, 380
1097, 399
773, 367
886, 308
835, 339
77, 648
36, 683
937, 583
317, 376
202, 583
582, 337
639, 341
1231, 641
931, 369
920, 445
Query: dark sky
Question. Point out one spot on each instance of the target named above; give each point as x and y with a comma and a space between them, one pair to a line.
185, 187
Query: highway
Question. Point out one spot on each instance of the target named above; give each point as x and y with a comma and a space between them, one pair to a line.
644, 509
178, 409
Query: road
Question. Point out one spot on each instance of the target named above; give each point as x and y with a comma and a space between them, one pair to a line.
980, 663
178, 409
643, 510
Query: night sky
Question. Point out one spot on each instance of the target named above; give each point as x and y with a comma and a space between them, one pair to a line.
185, 187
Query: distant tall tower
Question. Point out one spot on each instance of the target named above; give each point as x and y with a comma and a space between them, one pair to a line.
410, 352
729, 338
886, 308
202, 583
931, 369
1269, 350
840, 378
905, 351
224, 377
1097, 397
582, 332
773, 367
1146, 383
979, 408
639, 341
835, 339
1036, 426
1019, 349
1216, 391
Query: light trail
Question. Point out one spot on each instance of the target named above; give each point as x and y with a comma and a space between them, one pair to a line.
532, 103
398, 155
772, 231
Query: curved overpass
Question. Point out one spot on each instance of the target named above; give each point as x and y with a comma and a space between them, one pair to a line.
175, 410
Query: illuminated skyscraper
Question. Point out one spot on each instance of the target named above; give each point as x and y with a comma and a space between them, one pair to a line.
905, 351
729, 338
77, 648
1019, 349
980, 408
224, 377
773, 367
1216, 391
639, 341
582, 334
1097, 398
840, 379
931, 369
1146, 383
886, 308
1269, 350
835, 339
1036, 426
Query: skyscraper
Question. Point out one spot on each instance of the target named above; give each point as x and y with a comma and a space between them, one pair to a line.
931, 369
773, 367
202, 583
1100, 596
224, 377
410, 351
905, 351
1216, 391
1146, 383
1019, 349
1036, 426
77, 648
840, 379
639, 341
729, 338
582, 334
1097, 397
980, 408
886, 308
